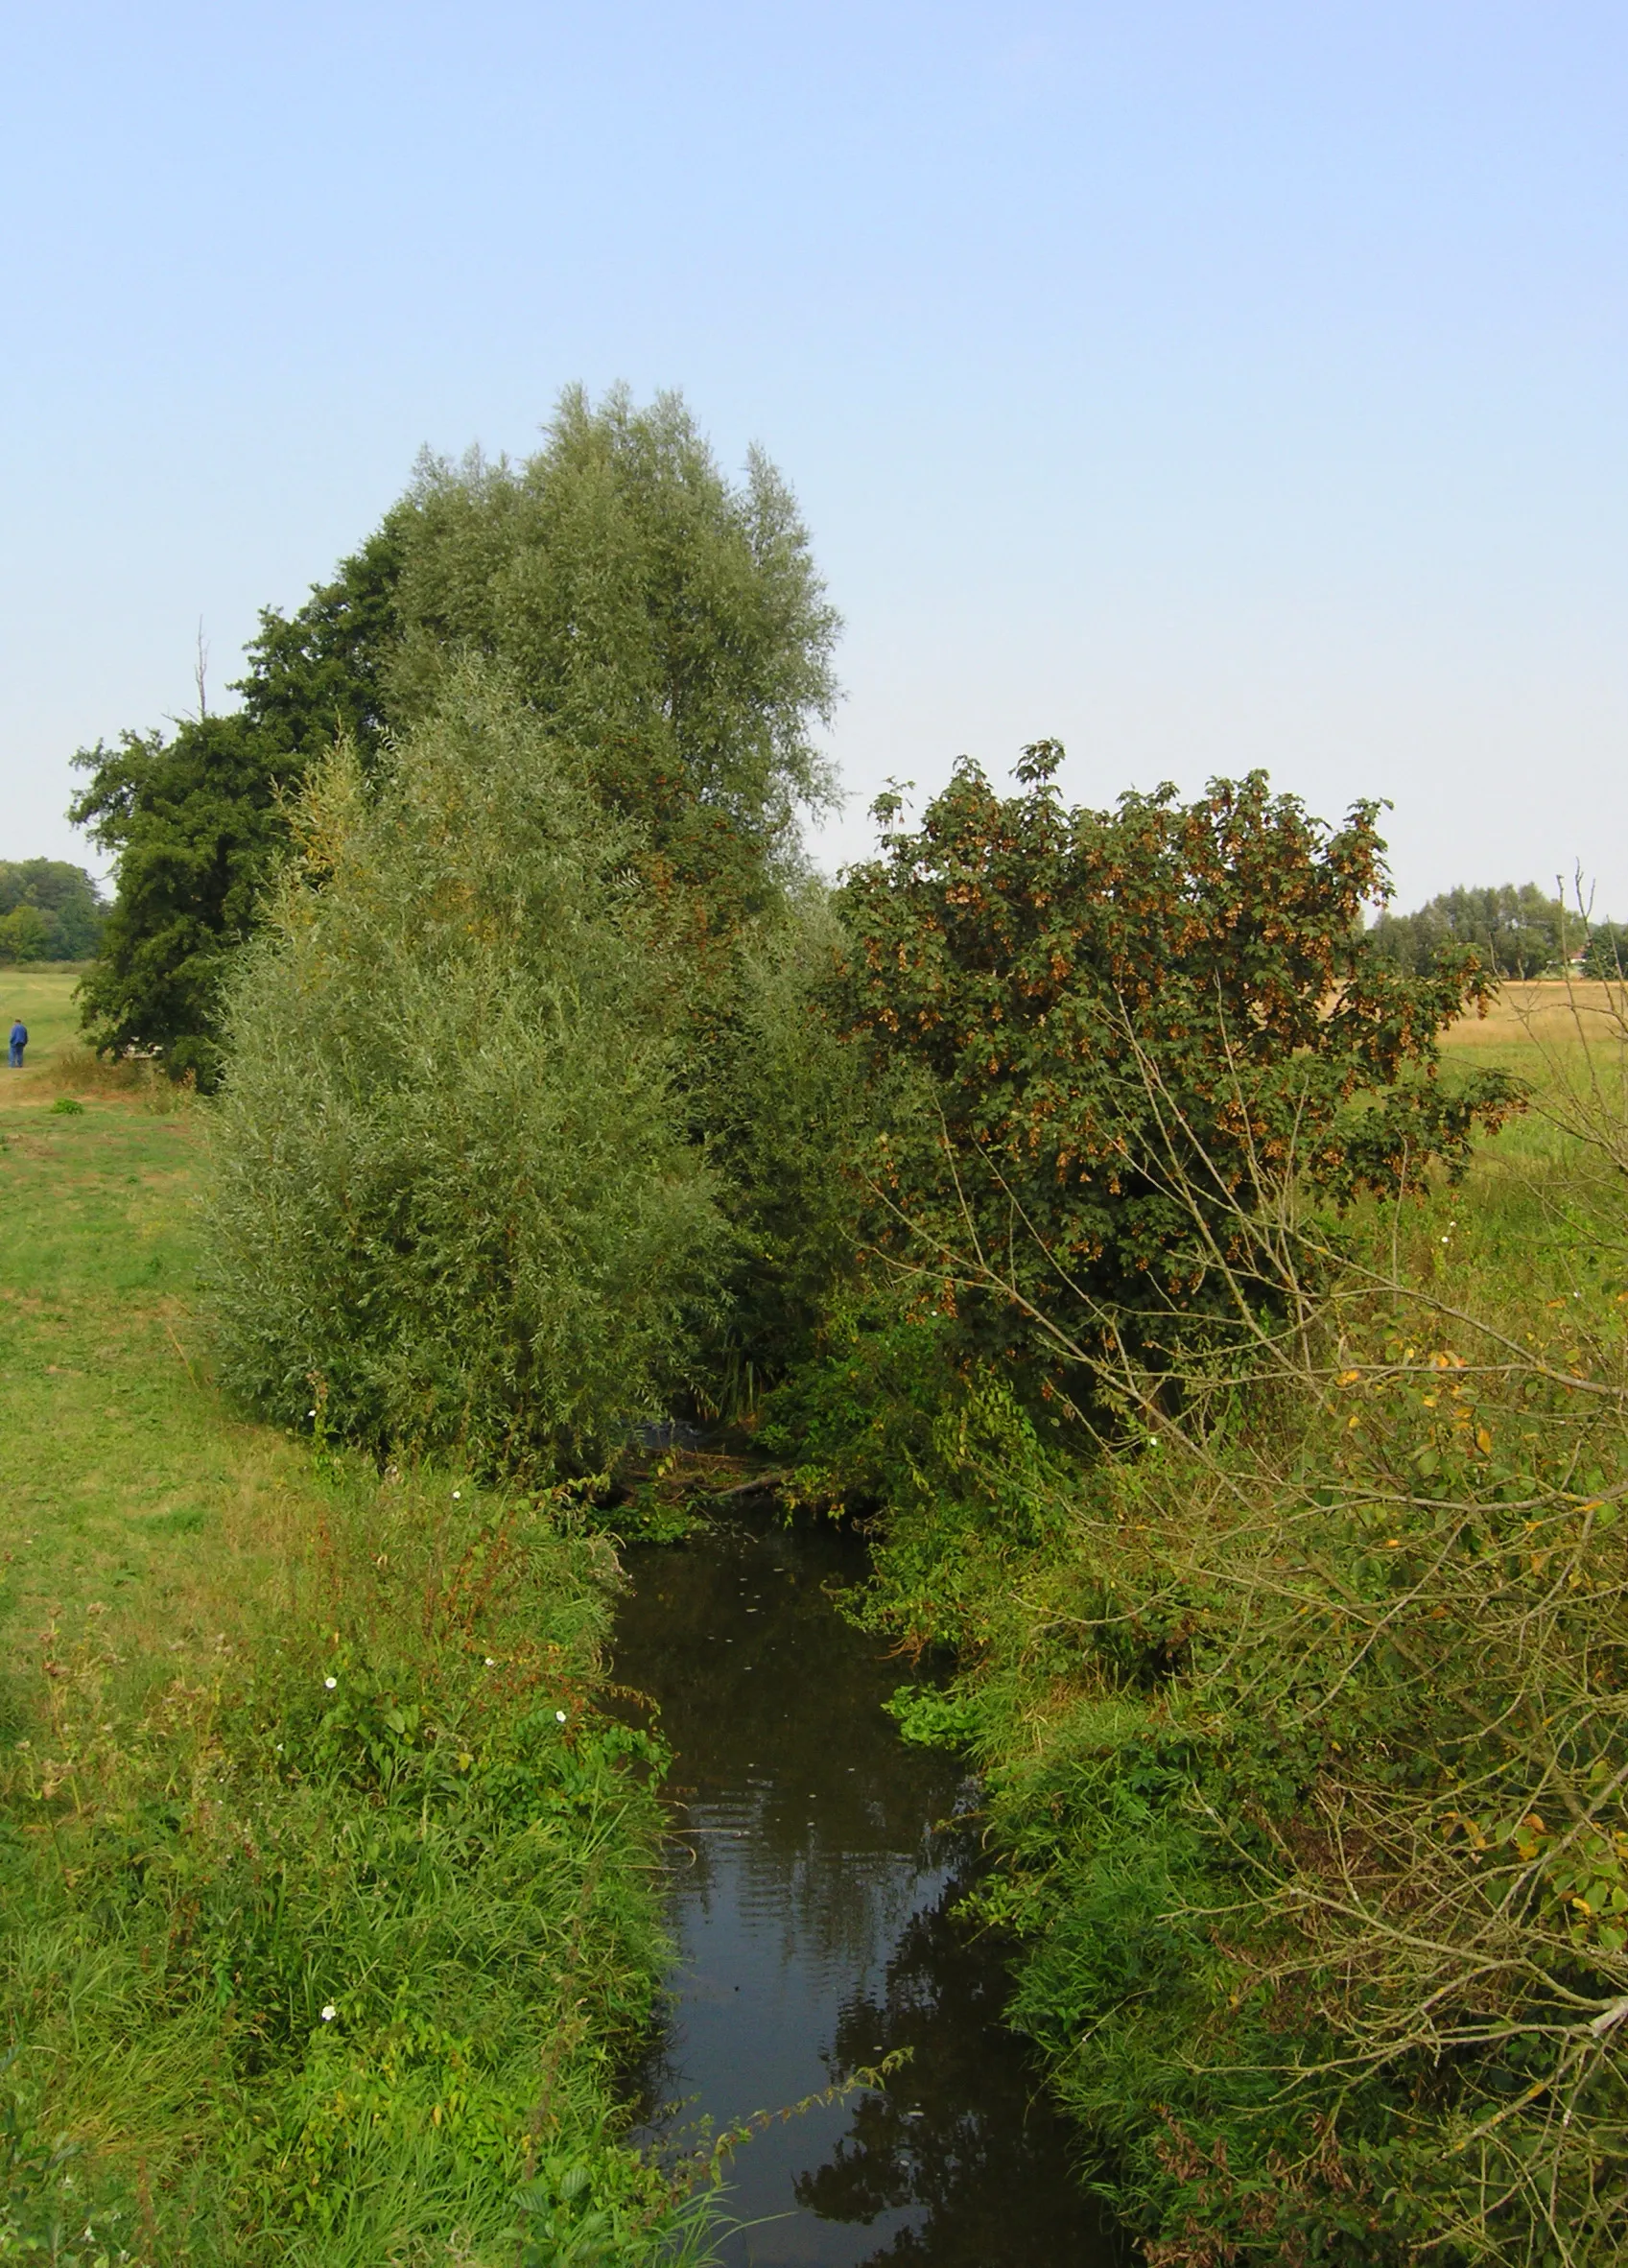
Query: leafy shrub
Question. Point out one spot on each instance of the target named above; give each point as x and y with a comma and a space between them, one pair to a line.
1132, 1030
452, 1199
781, 1105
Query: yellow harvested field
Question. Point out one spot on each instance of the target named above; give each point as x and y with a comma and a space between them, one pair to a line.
1549, 1012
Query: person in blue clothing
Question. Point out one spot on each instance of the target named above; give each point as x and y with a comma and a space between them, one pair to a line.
19, 1041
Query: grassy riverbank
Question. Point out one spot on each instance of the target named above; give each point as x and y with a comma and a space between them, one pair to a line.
1306, 1735
327, 1905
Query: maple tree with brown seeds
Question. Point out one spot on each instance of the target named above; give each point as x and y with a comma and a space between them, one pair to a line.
1107, 1012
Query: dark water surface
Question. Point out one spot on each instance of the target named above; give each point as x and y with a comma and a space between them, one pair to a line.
815, 1865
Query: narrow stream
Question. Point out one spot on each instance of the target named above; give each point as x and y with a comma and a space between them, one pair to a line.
816, 1861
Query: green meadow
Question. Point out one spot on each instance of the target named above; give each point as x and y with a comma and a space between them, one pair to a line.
42, 995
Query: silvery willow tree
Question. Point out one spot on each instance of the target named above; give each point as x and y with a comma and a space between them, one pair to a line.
453, 1200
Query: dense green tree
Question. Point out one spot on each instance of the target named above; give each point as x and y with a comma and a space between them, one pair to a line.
194, 823
779, 1104
195, 820
66, 900
25, 935
670, 626
320, 673
1606, 954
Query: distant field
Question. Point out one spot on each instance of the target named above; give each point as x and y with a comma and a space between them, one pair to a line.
43, 997
1549, 1010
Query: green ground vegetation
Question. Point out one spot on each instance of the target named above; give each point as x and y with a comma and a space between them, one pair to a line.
1303, 1710
326, 1903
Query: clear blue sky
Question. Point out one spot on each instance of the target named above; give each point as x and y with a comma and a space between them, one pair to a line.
1209, 385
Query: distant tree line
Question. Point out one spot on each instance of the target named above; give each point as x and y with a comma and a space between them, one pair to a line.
1517, 932
49, 910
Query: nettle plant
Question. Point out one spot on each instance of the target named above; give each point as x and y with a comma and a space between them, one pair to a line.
1134, 1043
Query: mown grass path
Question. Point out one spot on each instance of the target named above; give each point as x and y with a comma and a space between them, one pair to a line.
126, 1482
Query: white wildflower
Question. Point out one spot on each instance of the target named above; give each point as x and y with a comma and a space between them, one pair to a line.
330, 1683
329, 2013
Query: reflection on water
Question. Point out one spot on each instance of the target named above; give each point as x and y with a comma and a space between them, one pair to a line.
816, 1863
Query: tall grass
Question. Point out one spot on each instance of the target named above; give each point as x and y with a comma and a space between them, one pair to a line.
326, 1951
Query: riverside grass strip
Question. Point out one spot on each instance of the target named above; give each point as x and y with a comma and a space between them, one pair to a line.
326, 1897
